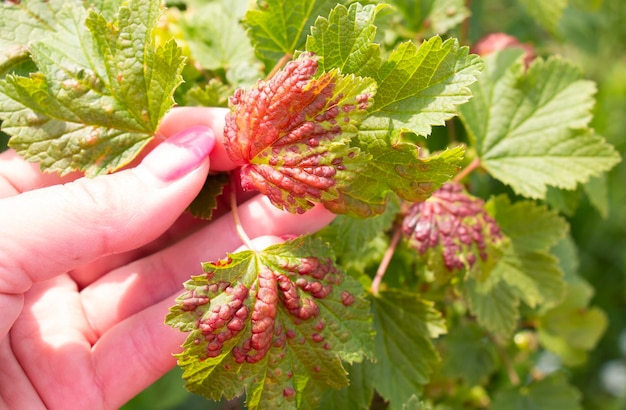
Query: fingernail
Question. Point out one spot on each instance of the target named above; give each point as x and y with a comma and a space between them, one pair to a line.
180, 154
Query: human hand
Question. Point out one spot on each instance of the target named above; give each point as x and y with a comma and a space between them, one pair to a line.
89, 267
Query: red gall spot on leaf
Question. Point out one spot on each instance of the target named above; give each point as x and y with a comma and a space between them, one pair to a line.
192, 301
291, 334
347, 298
316, 337
326, 346
319, 326
289, 392
317, 369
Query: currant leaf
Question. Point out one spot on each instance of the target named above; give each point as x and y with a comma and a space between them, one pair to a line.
526, 272
405, 325
431, 16
552, 392
100, 93
276, 323
345, 40
531, 127
468, 354
280, 27
216, 39
205, 202
548, 14
419, 87
396, 168
358, 395
24, 22
452, 231
291, 134
494, 304
527, 266
573, 328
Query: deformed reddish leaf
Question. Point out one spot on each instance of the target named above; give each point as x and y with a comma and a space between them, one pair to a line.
452, 230
262, 321
291, 134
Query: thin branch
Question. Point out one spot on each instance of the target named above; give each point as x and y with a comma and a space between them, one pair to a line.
467, 170
279, 65
233, 208
384, 264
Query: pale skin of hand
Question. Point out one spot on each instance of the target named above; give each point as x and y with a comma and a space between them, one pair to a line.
89, 267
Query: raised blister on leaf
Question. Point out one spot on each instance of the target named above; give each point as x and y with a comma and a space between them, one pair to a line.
262, 321
452, 230
291, 134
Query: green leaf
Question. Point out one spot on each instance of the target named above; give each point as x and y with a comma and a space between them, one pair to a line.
212, 94
573, 328
530, 226
534, 276
530, 128
597, 190
276, 323
346, 39
216, 39
493, 303
419, 87
357, 396
547, 13
564, 201
431, 16
100, 93
527, 267
350, 235
22, 23
468, 354
552, 392
405, 355
205, 202
279, 27
400, 169
415, 404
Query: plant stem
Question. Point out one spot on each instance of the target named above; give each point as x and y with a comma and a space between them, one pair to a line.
467, 170
506, 360
384, 264
279, 65
233, 208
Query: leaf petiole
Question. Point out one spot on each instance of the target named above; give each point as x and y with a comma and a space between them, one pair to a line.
284, 59
467, 170
237, 221
384, 263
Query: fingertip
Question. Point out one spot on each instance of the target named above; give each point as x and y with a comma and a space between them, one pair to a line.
180, 154
180, 118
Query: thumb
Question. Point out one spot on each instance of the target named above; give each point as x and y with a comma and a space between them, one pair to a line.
51, 230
